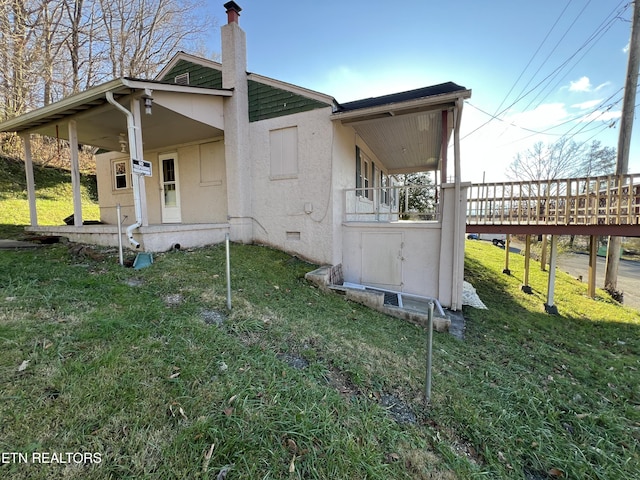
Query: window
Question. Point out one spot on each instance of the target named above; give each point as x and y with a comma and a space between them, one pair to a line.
182, 79
384, 192
284, 152
364, 168
120, 175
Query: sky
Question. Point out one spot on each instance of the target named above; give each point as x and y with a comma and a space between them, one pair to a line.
538, 70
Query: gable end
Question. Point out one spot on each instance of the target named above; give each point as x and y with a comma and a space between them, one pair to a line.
267, 102
199, 75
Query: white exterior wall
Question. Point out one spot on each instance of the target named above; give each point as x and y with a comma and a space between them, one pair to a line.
451, 269
295, 212
344, 154
108, 196
202, 199
411, 249
410, 257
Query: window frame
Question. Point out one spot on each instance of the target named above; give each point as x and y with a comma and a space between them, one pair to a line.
116, 175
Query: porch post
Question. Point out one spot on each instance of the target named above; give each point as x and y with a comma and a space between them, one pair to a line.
139, 155
31, 185
75, 173
458, 230
444, 148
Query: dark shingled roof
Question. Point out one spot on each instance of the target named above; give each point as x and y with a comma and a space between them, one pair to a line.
431, 91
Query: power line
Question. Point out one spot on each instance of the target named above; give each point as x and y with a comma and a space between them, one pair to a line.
596, 35
593, 39
533, 56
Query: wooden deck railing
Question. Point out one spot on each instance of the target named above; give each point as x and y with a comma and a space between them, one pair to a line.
606, 200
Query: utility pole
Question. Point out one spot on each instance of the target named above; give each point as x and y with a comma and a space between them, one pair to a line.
624, 141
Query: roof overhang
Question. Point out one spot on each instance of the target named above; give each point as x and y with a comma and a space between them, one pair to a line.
407, 136
100, 124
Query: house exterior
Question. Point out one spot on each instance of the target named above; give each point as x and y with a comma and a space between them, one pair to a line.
207, 149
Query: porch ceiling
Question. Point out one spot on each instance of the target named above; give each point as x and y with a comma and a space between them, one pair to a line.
100, 124
405, 143
406, 130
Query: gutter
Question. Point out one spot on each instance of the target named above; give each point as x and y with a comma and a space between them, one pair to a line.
136, 185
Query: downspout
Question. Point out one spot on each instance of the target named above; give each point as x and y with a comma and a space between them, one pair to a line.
136, 186
455, 300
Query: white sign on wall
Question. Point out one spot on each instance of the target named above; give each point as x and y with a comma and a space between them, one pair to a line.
141, 167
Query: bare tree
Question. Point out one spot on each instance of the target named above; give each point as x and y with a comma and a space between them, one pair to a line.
16, 55
48, 24
141, 35
52, 48
563, 159
598, 160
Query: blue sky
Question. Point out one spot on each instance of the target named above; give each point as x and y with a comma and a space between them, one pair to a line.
546, 68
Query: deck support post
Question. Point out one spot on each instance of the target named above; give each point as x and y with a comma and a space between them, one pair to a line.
526, 288
506, 255
549, 307
543, 255
593, 258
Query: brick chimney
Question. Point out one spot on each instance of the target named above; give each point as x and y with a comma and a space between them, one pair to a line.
233, 12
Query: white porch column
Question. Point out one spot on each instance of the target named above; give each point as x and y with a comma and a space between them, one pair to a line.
31, 184
459, 216
75, 173
139, 155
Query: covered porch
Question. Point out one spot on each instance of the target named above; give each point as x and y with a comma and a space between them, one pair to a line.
387, 243
129, 118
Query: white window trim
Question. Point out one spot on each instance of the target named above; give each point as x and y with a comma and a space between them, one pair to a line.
114, 175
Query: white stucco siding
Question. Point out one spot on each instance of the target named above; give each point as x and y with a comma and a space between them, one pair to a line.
398, 256
205, 109
202, 179
294, 211
108, 195
203, 193
343, 177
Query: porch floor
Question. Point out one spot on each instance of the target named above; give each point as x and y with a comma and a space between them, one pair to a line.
153, 238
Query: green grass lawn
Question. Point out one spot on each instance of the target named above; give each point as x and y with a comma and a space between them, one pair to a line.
149, 372
54, 194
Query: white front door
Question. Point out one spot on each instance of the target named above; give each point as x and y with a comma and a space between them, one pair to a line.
170, 188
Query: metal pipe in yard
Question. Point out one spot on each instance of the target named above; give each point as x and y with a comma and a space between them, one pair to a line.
429, 351
119, 215
226, 244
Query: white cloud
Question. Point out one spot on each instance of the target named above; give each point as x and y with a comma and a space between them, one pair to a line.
586, 105
602, 116
542, 116
581, 85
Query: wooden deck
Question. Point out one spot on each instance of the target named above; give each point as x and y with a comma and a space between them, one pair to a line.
607, 205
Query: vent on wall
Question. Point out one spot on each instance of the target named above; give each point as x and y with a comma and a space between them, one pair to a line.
293, 235
182, 79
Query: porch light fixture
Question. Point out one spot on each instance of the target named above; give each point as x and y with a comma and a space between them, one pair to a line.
148, 101
123, 144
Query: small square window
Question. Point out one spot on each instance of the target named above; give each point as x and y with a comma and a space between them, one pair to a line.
120, 175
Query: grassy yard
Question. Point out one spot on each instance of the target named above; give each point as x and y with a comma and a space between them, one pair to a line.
53, 189
148, 373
